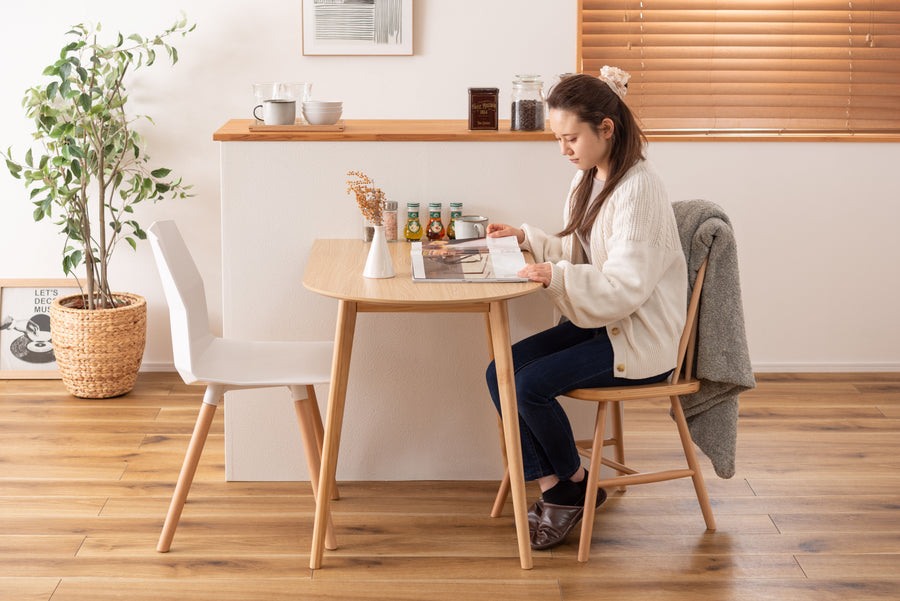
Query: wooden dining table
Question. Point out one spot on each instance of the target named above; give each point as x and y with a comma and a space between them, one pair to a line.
335, 269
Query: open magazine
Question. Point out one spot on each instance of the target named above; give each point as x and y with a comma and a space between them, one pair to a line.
476, 260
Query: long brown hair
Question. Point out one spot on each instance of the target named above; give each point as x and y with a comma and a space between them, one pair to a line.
591, 100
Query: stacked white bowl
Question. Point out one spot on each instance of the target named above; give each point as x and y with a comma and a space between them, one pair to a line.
320, 112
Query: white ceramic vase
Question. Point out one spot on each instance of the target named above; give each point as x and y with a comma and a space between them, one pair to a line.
378, 263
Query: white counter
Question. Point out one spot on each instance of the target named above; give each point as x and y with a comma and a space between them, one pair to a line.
817, 249
420, 408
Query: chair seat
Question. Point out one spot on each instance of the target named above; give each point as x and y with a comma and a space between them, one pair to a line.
633, 393
264, 363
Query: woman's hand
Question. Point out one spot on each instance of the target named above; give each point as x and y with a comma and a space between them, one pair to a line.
499, 230
539, 272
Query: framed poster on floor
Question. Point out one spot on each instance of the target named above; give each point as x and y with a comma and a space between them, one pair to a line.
26, 342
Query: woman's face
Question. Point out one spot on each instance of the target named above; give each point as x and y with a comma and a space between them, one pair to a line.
578, 141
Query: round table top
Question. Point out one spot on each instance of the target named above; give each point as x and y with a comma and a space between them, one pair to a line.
335, 269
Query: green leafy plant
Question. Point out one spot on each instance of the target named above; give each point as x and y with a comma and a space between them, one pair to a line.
90, 149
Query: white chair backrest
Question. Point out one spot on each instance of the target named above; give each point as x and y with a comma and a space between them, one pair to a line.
185, 296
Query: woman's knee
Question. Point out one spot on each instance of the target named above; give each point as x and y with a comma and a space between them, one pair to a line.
532, 389
490, 374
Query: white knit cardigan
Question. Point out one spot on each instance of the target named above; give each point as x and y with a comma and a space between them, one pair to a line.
635, 284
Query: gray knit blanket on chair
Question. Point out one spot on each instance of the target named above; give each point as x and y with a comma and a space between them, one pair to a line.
723, 359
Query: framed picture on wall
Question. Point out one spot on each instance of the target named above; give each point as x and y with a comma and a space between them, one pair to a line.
26, 343
357, 27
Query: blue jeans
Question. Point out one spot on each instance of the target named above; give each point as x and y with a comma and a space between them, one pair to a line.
547, 365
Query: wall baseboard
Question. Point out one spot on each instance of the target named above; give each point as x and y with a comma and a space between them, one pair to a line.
826, 367
157, 367
757, 367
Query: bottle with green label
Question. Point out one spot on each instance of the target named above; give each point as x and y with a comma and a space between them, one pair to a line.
413, 229
455, 211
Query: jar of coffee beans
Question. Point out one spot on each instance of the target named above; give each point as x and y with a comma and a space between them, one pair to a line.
527, 111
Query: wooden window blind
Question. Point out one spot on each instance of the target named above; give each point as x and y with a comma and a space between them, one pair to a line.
776, 66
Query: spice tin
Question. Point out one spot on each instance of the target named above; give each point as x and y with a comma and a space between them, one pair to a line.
483, 108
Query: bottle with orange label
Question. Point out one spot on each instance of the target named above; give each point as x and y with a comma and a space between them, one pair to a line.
435, 225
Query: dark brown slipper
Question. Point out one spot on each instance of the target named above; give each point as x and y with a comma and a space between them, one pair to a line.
534, 515
556, 523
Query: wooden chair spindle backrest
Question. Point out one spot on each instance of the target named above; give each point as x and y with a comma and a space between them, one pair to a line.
688, 341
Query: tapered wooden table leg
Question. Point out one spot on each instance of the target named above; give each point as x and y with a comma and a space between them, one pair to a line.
313, 456
499, 319
343, 344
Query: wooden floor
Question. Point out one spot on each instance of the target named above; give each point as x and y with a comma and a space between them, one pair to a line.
812, 514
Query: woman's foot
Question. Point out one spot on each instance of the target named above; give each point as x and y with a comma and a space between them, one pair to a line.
568, 492
551, 518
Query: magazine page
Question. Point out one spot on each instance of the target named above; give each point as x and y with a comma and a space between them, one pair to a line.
475, 260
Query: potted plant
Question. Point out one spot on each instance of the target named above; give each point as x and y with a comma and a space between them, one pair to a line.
90, 171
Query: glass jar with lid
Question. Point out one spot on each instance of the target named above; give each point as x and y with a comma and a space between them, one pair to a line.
527, 110
389, 219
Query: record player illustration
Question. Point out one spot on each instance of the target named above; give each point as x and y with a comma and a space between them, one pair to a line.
34, 345
26, 345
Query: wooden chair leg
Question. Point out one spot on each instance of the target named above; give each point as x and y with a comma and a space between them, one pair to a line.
590, 498
503, 491
691, 455
189, 468
313, 453
618, 435
320, 430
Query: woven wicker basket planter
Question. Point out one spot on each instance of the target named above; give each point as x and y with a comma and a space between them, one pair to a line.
99, 352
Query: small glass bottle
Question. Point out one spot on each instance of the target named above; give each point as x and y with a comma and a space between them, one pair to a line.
527, 111
413, 229
389, 219
455, 211
368, 231
435, 225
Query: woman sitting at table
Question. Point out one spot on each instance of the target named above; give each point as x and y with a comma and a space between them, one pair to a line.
616, 272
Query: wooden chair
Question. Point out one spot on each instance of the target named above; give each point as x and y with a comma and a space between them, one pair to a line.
224, 364
683, 382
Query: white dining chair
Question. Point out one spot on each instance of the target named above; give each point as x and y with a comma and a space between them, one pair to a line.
224, 364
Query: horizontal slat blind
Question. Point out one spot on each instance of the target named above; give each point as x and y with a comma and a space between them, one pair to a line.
758, 65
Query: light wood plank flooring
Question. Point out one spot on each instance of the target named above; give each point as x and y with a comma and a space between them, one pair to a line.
812, 514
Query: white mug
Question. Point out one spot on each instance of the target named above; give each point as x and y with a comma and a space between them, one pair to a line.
277, 111
470, 226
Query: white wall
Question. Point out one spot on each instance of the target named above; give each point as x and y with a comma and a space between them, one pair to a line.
816, 222
817, 226
458, 44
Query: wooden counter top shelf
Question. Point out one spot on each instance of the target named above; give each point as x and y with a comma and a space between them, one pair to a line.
456, 130
381, 130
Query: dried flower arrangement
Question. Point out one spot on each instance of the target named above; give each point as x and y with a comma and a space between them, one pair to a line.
369, 198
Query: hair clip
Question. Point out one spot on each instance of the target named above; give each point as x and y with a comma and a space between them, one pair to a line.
615, 78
